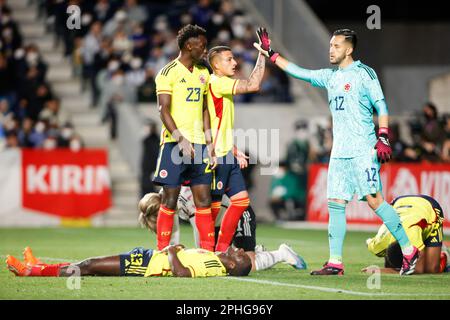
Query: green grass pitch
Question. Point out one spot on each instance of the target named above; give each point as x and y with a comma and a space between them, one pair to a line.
280, 282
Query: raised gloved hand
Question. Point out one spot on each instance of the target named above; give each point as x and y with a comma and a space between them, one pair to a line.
264, 44
383, 147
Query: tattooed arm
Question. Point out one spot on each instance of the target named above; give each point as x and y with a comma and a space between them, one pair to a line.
252, 84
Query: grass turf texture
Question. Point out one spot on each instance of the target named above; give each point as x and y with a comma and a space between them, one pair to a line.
280, 282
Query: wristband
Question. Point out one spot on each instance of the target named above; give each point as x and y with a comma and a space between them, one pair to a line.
274, 57
383, 131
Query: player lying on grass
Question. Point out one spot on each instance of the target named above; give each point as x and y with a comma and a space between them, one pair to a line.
244, 237
174, 260
422, 218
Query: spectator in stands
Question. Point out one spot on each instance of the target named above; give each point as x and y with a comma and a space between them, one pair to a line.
150, 151
25, 133
398, 145
432, 130
325, 139
90, 47
103, 10
446, 144
285, 192
135, 12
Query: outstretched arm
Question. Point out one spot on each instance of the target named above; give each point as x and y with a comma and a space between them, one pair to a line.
253, 83
290, 68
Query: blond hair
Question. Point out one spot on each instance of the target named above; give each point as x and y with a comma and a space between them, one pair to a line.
148, 210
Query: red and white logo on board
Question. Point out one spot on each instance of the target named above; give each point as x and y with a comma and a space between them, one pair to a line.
65, 183
347, 87
163, 174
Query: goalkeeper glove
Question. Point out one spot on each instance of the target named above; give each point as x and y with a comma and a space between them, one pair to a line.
383, 147
264, 44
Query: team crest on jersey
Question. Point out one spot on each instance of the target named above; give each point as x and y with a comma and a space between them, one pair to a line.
202, 79
347, 87
163, 174
219, 185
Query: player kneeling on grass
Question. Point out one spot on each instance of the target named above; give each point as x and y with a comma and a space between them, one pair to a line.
245, 236
421, 217
173, 260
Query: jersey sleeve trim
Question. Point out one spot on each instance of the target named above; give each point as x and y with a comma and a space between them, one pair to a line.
233, 90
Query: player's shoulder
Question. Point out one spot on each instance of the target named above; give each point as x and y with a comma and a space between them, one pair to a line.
365, 71
167, 70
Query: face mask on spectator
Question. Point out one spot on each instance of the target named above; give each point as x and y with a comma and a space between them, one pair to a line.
7, 33
86, 19
19, 53
118, 80
223, 35
5, 19
302, 134
32, 58
75, 145
217, 19
49, 144
136, 63
161, 26
238, 49
40, 127
66, 133
239, 30
113, 65
186, 19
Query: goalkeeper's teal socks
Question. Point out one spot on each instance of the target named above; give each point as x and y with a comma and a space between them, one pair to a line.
392, 221
337, 227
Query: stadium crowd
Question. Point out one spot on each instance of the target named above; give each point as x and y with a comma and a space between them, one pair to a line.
122, 45
29, 110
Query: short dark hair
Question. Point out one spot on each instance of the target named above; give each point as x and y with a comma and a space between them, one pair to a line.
187, 32
349, 35
394, 256
216, 50
241, 270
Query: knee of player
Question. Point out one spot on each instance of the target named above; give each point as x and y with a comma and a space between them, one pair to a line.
374, 202
85, 267
432, 268
170, 202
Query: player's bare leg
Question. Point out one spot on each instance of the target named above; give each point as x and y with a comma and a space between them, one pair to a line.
99, 266
392, 221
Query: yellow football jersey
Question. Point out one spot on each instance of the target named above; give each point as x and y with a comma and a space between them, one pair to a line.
221, 112
201, 263
420, 219
187, 90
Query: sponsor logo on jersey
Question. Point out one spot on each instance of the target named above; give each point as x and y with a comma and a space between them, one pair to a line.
202, 79
219, 185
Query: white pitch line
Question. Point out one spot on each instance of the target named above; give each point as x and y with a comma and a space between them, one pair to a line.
334, 290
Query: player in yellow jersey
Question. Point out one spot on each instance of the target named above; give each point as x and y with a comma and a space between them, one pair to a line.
422, 218
181, 87
227, 177
174, 260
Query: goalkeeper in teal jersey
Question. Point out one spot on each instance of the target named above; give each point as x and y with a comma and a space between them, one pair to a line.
353, 93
